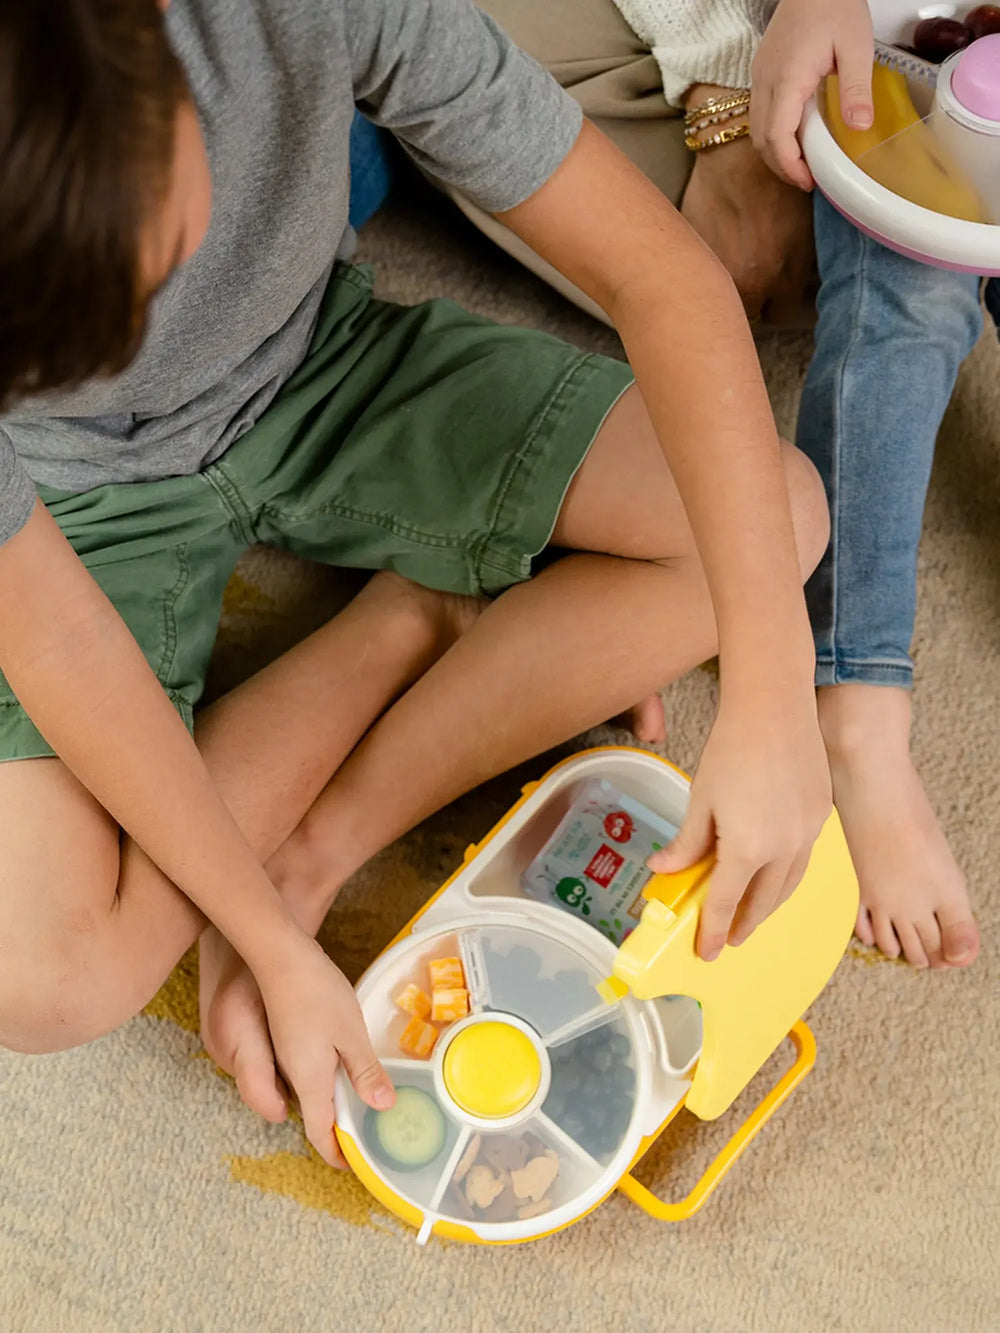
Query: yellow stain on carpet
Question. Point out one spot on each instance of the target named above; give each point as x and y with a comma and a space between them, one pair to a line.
177, 1000
310, 1182
304, 1177
867, 953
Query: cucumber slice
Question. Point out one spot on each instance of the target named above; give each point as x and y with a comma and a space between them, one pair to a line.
410, 1134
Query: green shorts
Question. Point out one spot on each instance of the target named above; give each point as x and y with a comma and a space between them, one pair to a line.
421, 439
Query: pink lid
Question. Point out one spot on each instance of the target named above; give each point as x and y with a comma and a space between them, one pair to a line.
975, 80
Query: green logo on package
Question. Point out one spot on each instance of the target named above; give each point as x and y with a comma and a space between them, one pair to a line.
573, 892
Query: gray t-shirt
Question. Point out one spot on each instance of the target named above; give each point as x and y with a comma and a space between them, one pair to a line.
276, 83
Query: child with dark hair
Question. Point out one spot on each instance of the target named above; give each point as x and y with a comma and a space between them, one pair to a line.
274, 399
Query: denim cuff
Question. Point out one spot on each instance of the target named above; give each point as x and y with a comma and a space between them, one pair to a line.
851, 671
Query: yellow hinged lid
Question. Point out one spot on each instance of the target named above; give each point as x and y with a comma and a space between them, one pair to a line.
750, 996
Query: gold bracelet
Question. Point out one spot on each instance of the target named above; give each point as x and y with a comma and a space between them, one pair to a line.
703, 122
736, 100
717, 140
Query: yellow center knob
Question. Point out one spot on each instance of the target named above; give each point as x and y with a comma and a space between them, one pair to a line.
492, 1070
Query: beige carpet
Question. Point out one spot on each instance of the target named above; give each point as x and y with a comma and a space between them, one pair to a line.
137, 1193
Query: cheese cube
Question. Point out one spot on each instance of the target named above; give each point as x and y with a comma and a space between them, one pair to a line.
413, 1001
446, 974
418, 1038
449, 1004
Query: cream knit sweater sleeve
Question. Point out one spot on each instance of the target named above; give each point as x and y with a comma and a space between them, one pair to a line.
699, 41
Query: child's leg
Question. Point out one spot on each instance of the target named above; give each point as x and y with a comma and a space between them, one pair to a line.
89, 931
545, 661
890, 338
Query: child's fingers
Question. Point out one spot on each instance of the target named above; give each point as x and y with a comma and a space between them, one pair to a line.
777, 139
694, 840
794, 876
314, 1089
371, 1082
757, 904
760, 109
854, 74
729, 882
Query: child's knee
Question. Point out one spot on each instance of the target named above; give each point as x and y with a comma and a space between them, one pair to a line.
810, 510
62, 996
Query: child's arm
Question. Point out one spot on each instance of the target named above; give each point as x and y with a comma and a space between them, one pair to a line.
762, 788
82, 679
804, 42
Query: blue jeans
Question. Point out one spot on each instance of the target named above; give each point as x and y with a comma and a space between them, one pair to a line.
890, 337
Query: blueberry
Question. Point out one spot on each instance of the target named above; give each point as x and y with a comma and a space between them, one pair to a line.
620, 1044
573, 1126
618, 1126
523, 960
625, 1078
598, 1118
570, 1080
602, 1060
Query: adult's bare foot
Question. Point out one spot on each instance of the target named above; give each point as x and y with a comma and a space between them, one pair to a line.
914, 899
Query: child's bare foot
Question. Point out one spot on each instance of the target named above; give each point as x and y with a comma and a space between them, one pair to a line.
646, 721
234, 1026
914, 899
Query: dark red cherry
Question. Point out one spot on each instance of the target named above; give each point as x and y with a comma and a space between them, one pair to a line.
983, 20
936, 39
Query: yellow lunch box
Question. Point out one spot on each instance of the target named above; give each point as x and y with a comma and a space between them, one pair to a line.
535, 1062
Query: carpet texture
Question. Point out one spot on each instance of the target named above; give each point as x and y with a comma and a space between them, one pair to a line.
137, 1193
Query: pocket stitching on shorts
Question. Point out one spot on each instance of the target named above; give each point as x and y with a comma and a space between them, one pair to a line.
170, 632
387, 522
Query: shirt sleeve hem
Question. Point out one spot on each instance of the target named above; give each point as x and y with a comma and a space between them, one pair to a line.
17, 502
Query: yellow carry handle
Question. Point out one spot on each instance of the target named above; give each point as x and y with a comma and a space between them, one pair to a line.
805, 1056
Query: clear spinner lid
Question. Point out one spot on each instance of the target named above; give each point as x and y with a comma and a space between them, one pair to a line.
517, 1087
935, 139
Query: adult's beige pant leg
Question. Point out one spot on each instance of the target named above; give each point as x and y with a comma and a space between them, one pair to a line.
595, 55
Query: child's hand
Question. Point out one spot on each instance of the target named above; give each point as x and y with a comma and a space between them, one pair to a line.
315, 1022
803, 43
761, 794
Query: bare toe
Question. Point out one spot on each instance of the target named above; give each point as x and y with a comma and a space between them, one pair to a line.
910, 942
863, 927
959, 936
885, 935
256, 1076
234, 1027
930, 937
647, 721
